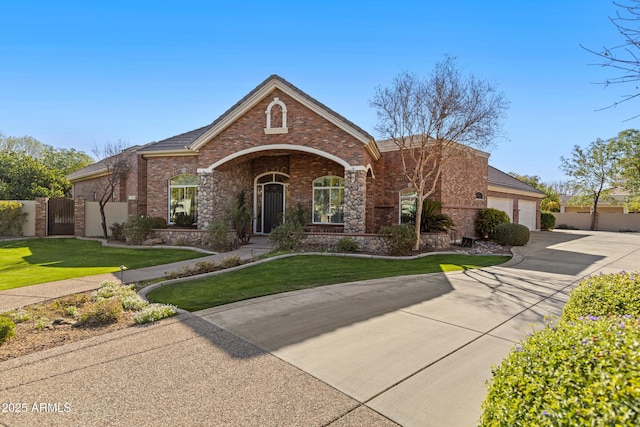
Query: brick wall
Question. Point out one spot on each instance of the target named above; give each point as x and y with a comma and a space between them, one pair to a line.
158, 172
305, 128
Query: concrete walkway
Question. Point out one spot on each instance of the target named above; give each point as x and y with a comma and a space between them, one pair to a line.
15, 298
415, 350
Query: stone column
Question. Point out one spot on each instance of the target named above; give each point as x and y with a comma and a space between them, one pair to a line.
355, 190
205, 199
41, 216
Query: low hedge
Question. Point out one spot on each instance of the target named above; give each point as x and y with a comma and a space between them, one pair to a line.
575, 374
604, 295
511, 234
585, 370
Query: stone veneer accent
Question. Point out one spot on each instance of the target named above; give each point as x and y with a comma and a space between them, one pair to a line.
373, 243
355, 185
218, 191
181, 237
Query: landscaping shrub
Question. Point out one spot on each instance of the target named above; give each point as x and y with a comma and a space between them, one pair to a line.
102, 312
347, 245
11, 218
574, 374
547, 220
432, 221
20, 316
153, 313
288, 236
158, 222
511, 234
487, 220
218, 236
230, 261
604, 295
137, 230
242, 219
7, 329
200, 267
117, 231
400, 238
183, 219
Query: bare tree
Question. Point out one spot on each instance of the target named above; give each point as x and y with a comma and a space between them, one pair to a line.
115, 163
435, 120
623, 58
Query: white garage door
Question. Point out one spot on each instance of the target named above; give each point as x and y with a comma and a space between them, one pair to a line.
527, 213
499, 203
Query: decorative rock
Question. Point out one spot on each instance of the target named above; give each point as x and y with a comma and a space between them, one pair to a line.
151, 242
61, 321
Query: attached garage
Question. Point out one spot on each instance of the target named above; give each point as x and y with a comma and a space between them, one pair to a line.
527, 213
502, 204
519, 200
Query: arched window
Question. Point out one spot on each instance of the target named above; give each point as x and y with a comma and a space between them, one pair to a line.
328, 200
183, 196
270, 129
479, 196
407, 211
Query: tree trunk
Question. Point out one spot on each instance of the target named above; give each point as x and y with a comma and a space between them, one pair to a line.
420, 202
104, 221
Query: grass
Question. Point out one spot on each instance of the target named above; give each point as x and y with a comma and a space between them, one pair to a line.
31, 261
302, 272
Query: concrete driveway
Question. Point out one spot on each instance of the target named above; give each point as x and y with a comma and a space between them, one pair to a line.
419, 349
415, 350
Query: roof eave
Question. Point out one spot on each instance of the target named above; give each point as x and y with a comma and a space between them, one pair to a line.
505, 189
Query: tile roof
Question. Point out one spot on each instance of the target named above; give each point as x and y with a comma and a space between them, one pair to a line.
177, 142
501, 179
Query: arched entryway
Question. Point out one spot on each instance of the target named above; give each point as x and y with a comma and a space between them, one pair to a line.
271, 192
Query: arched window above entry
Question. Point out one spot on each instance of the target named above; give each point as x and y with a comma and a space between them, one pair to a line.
283, 125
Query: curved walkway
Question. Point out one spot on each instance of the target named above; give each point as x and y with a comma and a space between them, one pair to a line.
413, 350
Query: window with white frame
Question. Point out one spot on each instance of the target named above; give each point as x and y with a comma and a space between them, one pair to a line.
328, 200
407, 212
183, 195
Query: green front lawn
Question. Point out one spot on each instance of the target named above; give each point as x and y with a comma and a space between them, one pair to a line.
31, 261
301, 272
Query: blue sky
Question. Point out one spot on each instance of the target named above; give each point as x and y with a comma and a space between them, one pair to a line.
80, 74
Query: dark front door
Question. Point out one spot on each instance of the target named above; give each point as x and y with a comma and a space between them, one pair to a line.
60, 213
272, 206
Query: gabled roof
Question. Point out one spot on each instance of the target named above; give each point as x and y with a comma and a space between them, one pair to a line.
195, 139
504, 181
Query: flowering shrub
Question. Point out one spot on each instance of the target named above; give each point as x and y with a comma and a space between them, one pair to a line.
583, 371
11, 218
153, 313
603, 295
578, 373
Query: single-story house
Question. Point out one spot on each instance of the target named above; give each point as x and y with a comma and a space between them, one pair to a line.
282, 148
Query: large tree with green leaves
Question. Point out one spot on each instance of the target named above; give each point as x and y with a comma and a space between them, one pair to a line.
436, 120
30, 169
593, 172
628, 145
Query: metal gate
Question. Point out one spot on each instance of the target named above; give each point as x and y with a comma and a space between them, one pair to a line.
60, 217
